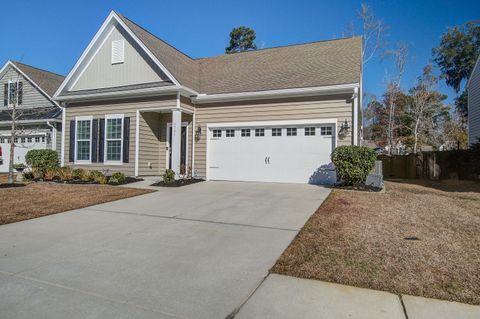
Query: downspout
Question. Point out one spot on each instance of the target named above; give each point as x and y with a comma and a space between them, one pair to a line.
54, 135
64, 119
193, 139
355, 117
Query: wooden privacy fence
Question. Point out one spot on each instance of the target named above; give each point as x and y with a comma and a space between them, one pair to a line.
432, 165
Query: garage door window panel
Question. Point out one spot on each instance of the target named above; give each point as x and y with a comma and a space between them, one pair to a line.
326, 130
309, 131
291, 131
230, 133
217, 133
259, 132
276, 131
245, 132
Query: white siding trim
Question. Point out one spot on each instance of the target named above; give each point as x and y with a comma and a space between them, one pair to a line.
64, 118
137, 140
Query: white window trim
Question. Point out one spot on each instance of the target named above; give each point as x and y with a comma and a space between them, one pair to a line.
78, 119
105, 161
9, 104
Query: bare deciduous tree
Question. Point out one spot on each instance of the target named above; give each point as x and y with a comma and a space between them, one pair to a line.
394, 89
373, 32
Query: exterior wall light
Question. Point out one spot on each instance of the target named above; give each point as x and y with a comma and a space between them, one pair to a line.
345, 126
198, 133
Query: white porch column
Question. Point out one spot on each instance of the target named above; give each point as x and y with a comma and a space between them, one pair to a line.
176, 140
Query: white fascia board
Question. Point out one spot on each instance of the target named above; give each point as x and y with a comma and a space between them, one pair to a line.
308, 91
273, 123
473, 71
10, 63
44, 121
97, 40
164, 90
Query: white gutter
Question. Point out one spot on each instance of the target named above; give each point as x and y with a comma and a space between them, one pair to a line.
308, 91
30, 121
121, 94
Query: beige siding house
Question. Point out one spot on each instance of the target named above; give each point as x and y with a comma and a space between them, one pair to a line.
135, 104
38, 117
474, 105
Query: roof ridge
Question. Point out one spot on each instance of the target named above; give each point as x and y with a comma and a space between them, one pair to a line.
155, 36
37, 68
279, 47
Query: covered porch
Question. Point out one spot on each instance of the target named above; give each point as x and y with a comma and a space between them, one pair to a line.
164, 139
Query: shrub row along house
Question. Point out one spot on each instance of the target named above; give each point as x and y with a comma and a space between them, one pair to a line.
133, 103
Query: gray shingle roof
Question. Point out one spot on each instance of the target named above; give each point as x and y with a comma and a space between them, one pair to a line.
295, 66
49, 82
32, 114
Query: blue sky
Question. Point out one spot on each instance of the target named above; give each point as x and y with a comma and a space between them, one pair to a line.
53, 34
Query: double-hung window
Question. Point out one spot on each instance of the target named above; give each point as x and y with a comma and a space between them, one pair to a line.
113, 138
13, 93
83, 139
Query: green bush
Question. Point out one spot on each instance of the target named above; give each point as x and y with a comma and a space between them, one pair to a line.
353, 163
117, 178
28, 176
42, 159
86, 175
169, 176
98, 177
77, 173
65, 174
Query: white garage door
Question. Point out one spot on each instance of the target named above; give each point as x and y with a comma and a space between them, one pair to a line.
22, 146
287, 153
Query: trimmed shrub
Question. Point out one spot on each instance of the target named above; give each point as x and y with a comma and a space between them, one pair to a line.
27, 176
86, 175
169, 176
42, 159
117, 178
77, 173
65, 174
98, 177
353, 163
49, 174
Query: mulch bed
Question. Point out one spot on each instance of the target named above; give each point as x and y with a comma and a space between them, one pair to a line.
417, 238
179, 182
43, 198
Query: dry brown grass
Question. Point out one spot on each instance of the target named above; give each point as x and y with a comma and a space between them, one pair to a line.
358, 239
41, 199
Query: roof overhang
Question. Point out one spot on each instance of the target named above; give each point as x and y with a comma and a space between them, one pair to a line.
38, 121
282, 93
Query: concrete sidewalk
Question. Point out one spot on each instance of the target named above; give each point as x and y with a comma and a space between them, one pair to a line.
283, 297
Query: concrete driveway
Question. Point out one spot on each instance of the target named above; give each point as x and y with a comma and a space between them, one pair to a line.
193, 252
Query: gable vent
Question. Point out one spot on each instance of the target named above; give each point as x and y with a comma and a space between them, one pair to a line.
118, 51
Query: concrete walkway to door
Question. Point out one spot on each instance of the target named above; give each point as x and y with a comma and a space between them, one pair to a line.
193, 252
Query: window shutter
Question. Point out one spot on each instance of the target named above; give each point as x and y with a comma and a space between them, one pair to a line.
20, 92
71, 154
126, 139
101, 140
118, 48
5, 95
94, 140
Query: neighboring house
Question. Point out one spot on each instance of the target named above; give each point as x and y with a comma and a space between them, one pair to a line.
135, 104
39, 116
473, 87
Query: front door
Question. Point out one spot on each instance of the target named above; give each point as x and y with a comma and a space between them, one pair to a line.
183, 149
